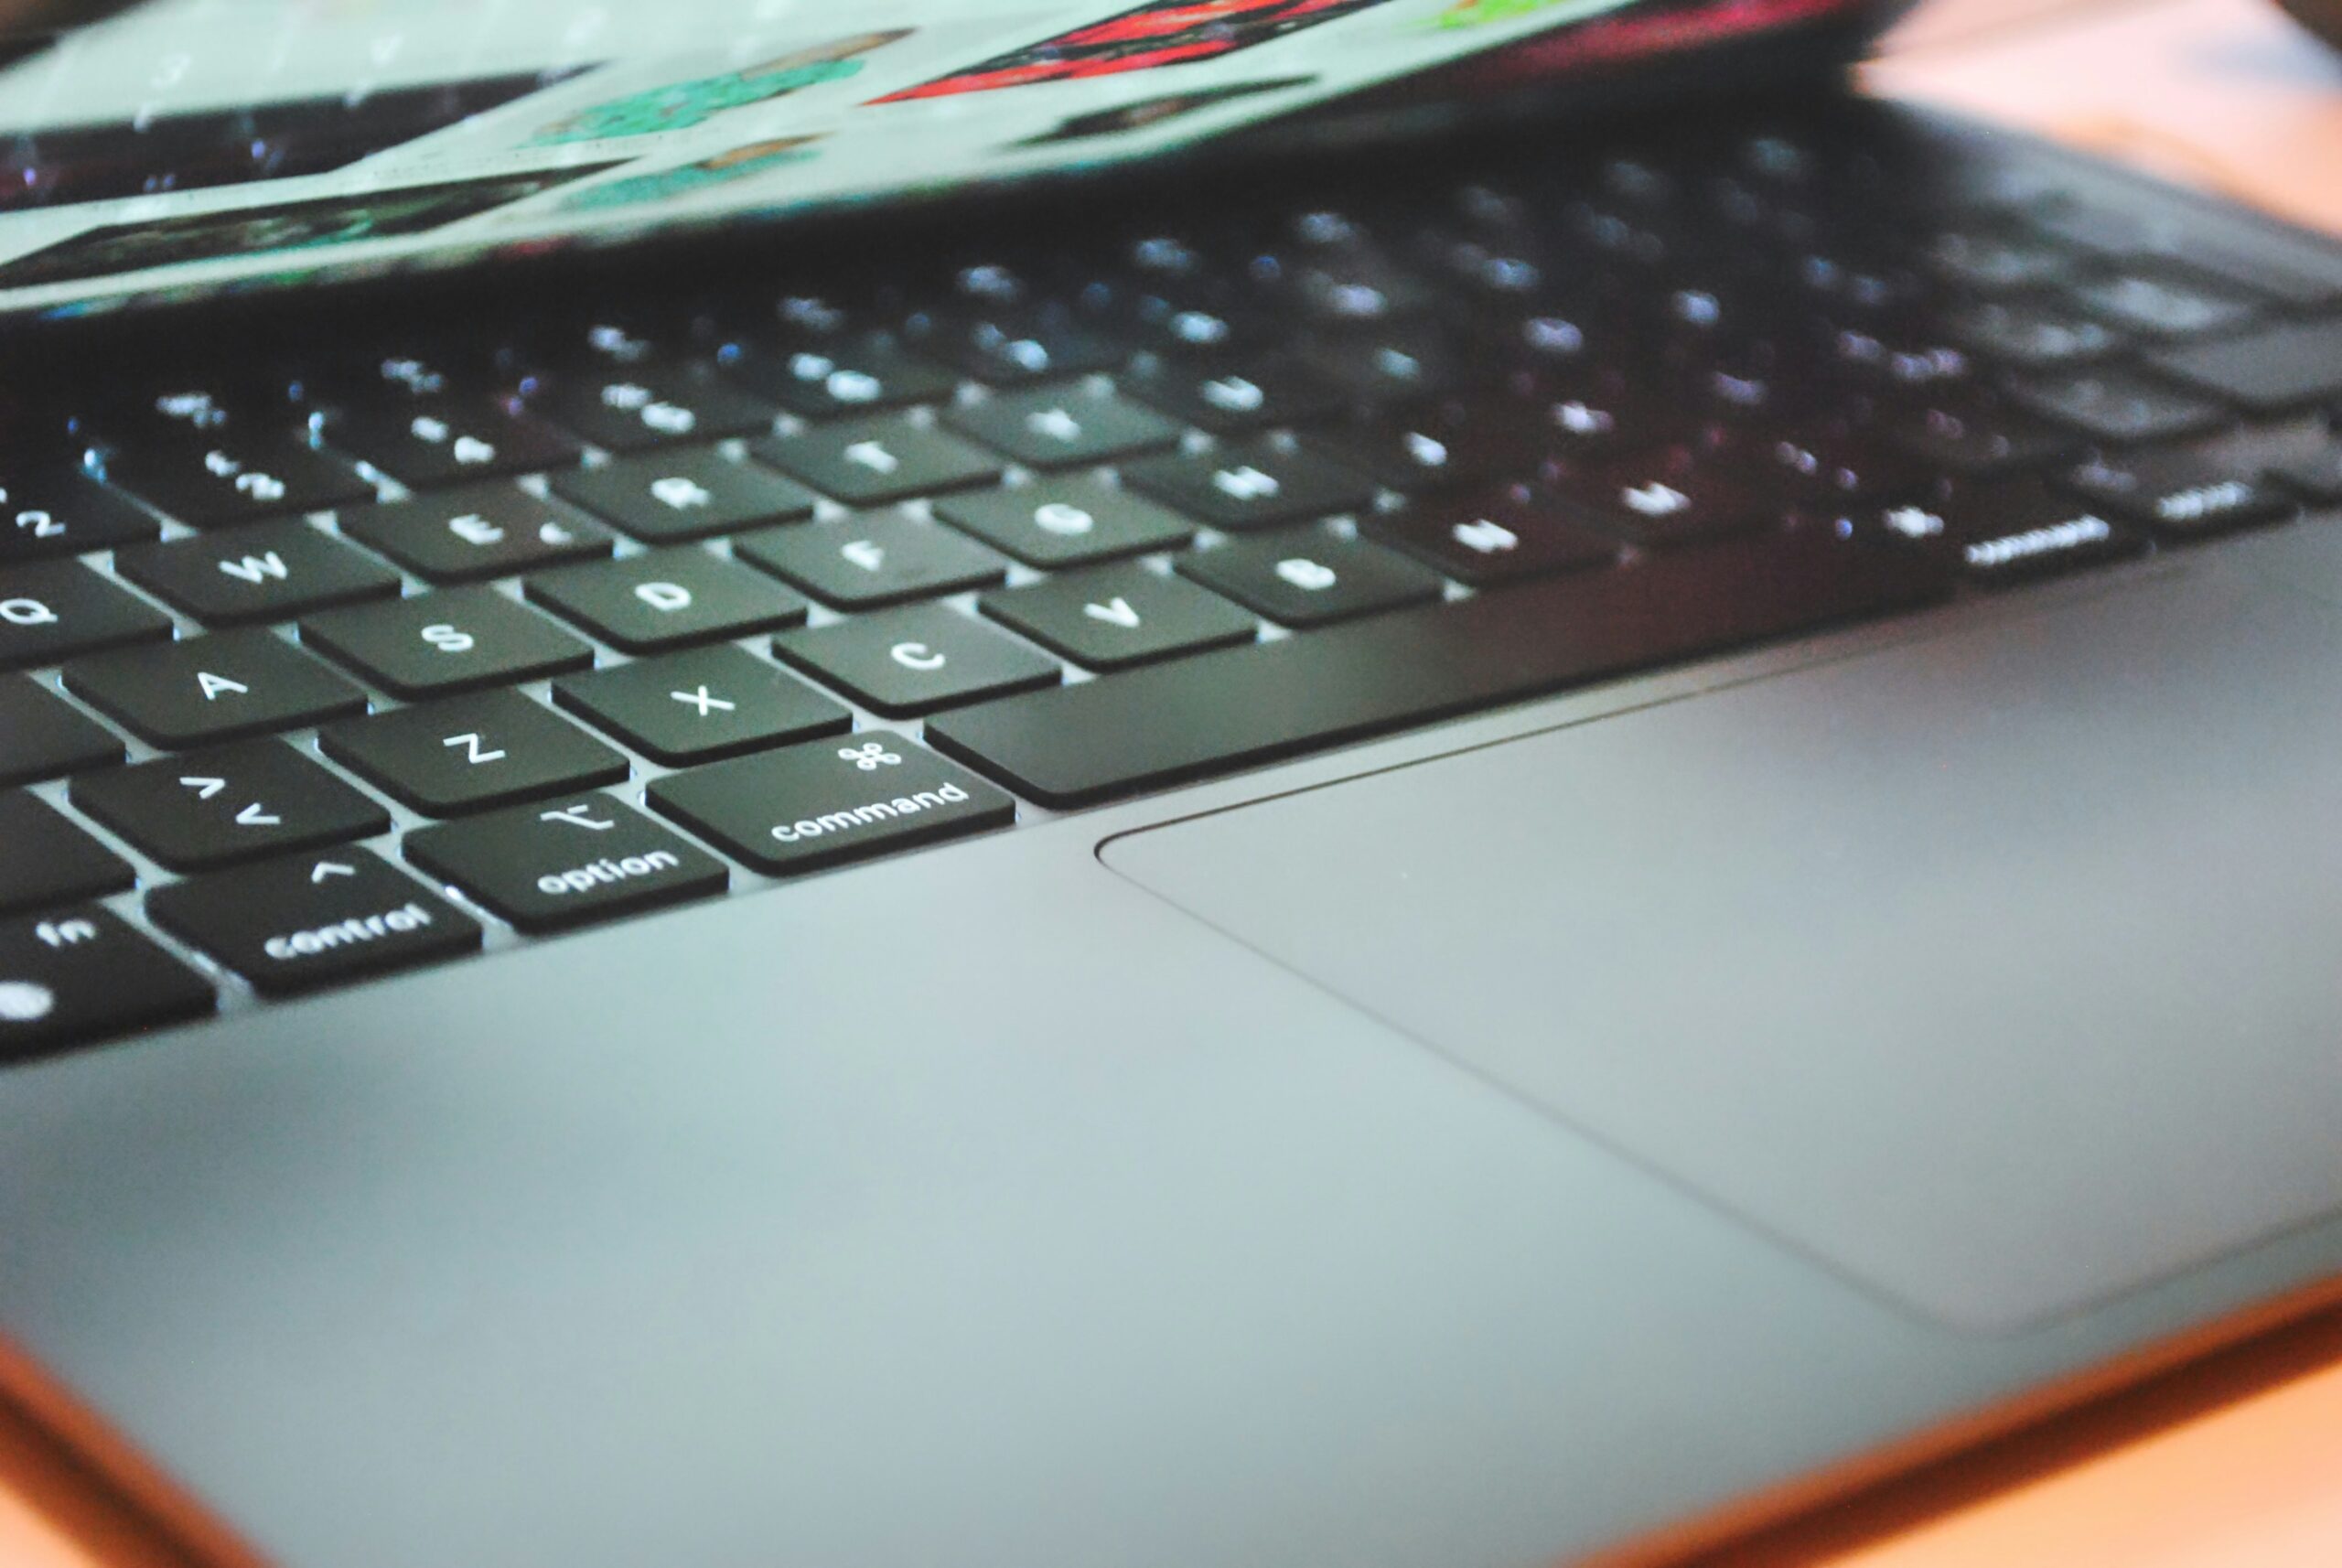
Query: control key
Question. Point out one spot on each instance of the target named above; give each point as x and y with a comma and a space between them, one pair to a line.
315, 919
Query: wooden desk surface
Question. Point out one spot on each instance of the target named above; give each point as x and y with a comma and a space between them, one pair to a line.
2235, 1462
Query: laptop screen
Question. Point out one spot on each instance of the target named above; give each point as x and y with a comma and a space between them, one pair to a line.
159, 148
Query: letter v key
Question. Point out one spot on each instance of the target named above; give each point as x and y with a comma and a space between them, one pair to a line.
1116, 611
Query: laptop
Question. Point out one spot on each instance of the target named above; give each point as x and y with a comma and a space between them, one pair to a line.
1260, 783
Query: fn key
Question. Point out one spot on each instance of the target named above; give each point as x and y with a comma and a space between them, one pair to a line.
81, 974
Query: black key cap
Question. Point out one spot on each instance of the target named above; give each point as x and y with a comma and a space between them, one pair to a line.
56, 511
667, 599
630, 412
206, 689
872, 559
1233, 396
259, 571
208, 486
1658, 505
1978, 440
686, 708
2031, 334
485, 531
1423, 450
869, 462
1492, 537
2297, 269
1063, 426
1249, 485
1067, 522
1991, 260
1309, 577
81, 975
2183, 495
1168, 723
448, 641
832, 380
914, 661
48, 861
425, 443
55, 609
811, 806
2274, 370
2117, 406
42, 735
230, 803
315, 919
1009, 348
566, 862
469, 754
1120, 615
2011, 531
2163, 305
673, 496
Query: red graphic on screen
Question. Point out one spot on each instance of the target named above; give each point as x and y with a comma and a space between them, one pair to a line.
1169, 32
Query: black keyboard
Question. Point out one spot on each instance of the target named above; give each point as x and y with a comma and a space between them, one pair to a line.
352, 650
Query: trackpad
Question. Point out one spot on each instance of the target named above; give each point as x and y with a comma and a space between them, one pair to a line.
2004, 969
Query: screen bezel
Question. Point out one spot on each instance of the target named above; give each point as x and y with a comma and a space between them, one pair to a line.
1786, 61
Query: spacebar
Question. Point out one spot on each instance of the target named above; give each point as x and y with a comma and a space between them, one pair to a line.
1164, 723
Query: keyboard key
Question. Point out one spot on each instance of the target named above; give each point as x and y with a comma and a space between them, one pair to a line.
1992, 260
873, 461
1492, 537
2030, 334
872, 559
216, 688
227, 804
1016, 348
1978, 440
1063, 426
566, 862
208, 487
666, 598
1423, 450
2272, 371
1660, 505
59, 511
633, 412
812, 806
48, 861
1249, 485
55, 609
832, 380
320, 919
2011, 532
448, 641
1119, 616
915, 661
79, 975
2180, 494
1310, 578
1068, 521
468, 535
668, 497
710, 703
1231, 396
1168, 723
423, 443
2117, 406
42, 735
2163, 305
259, 572
467, 754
